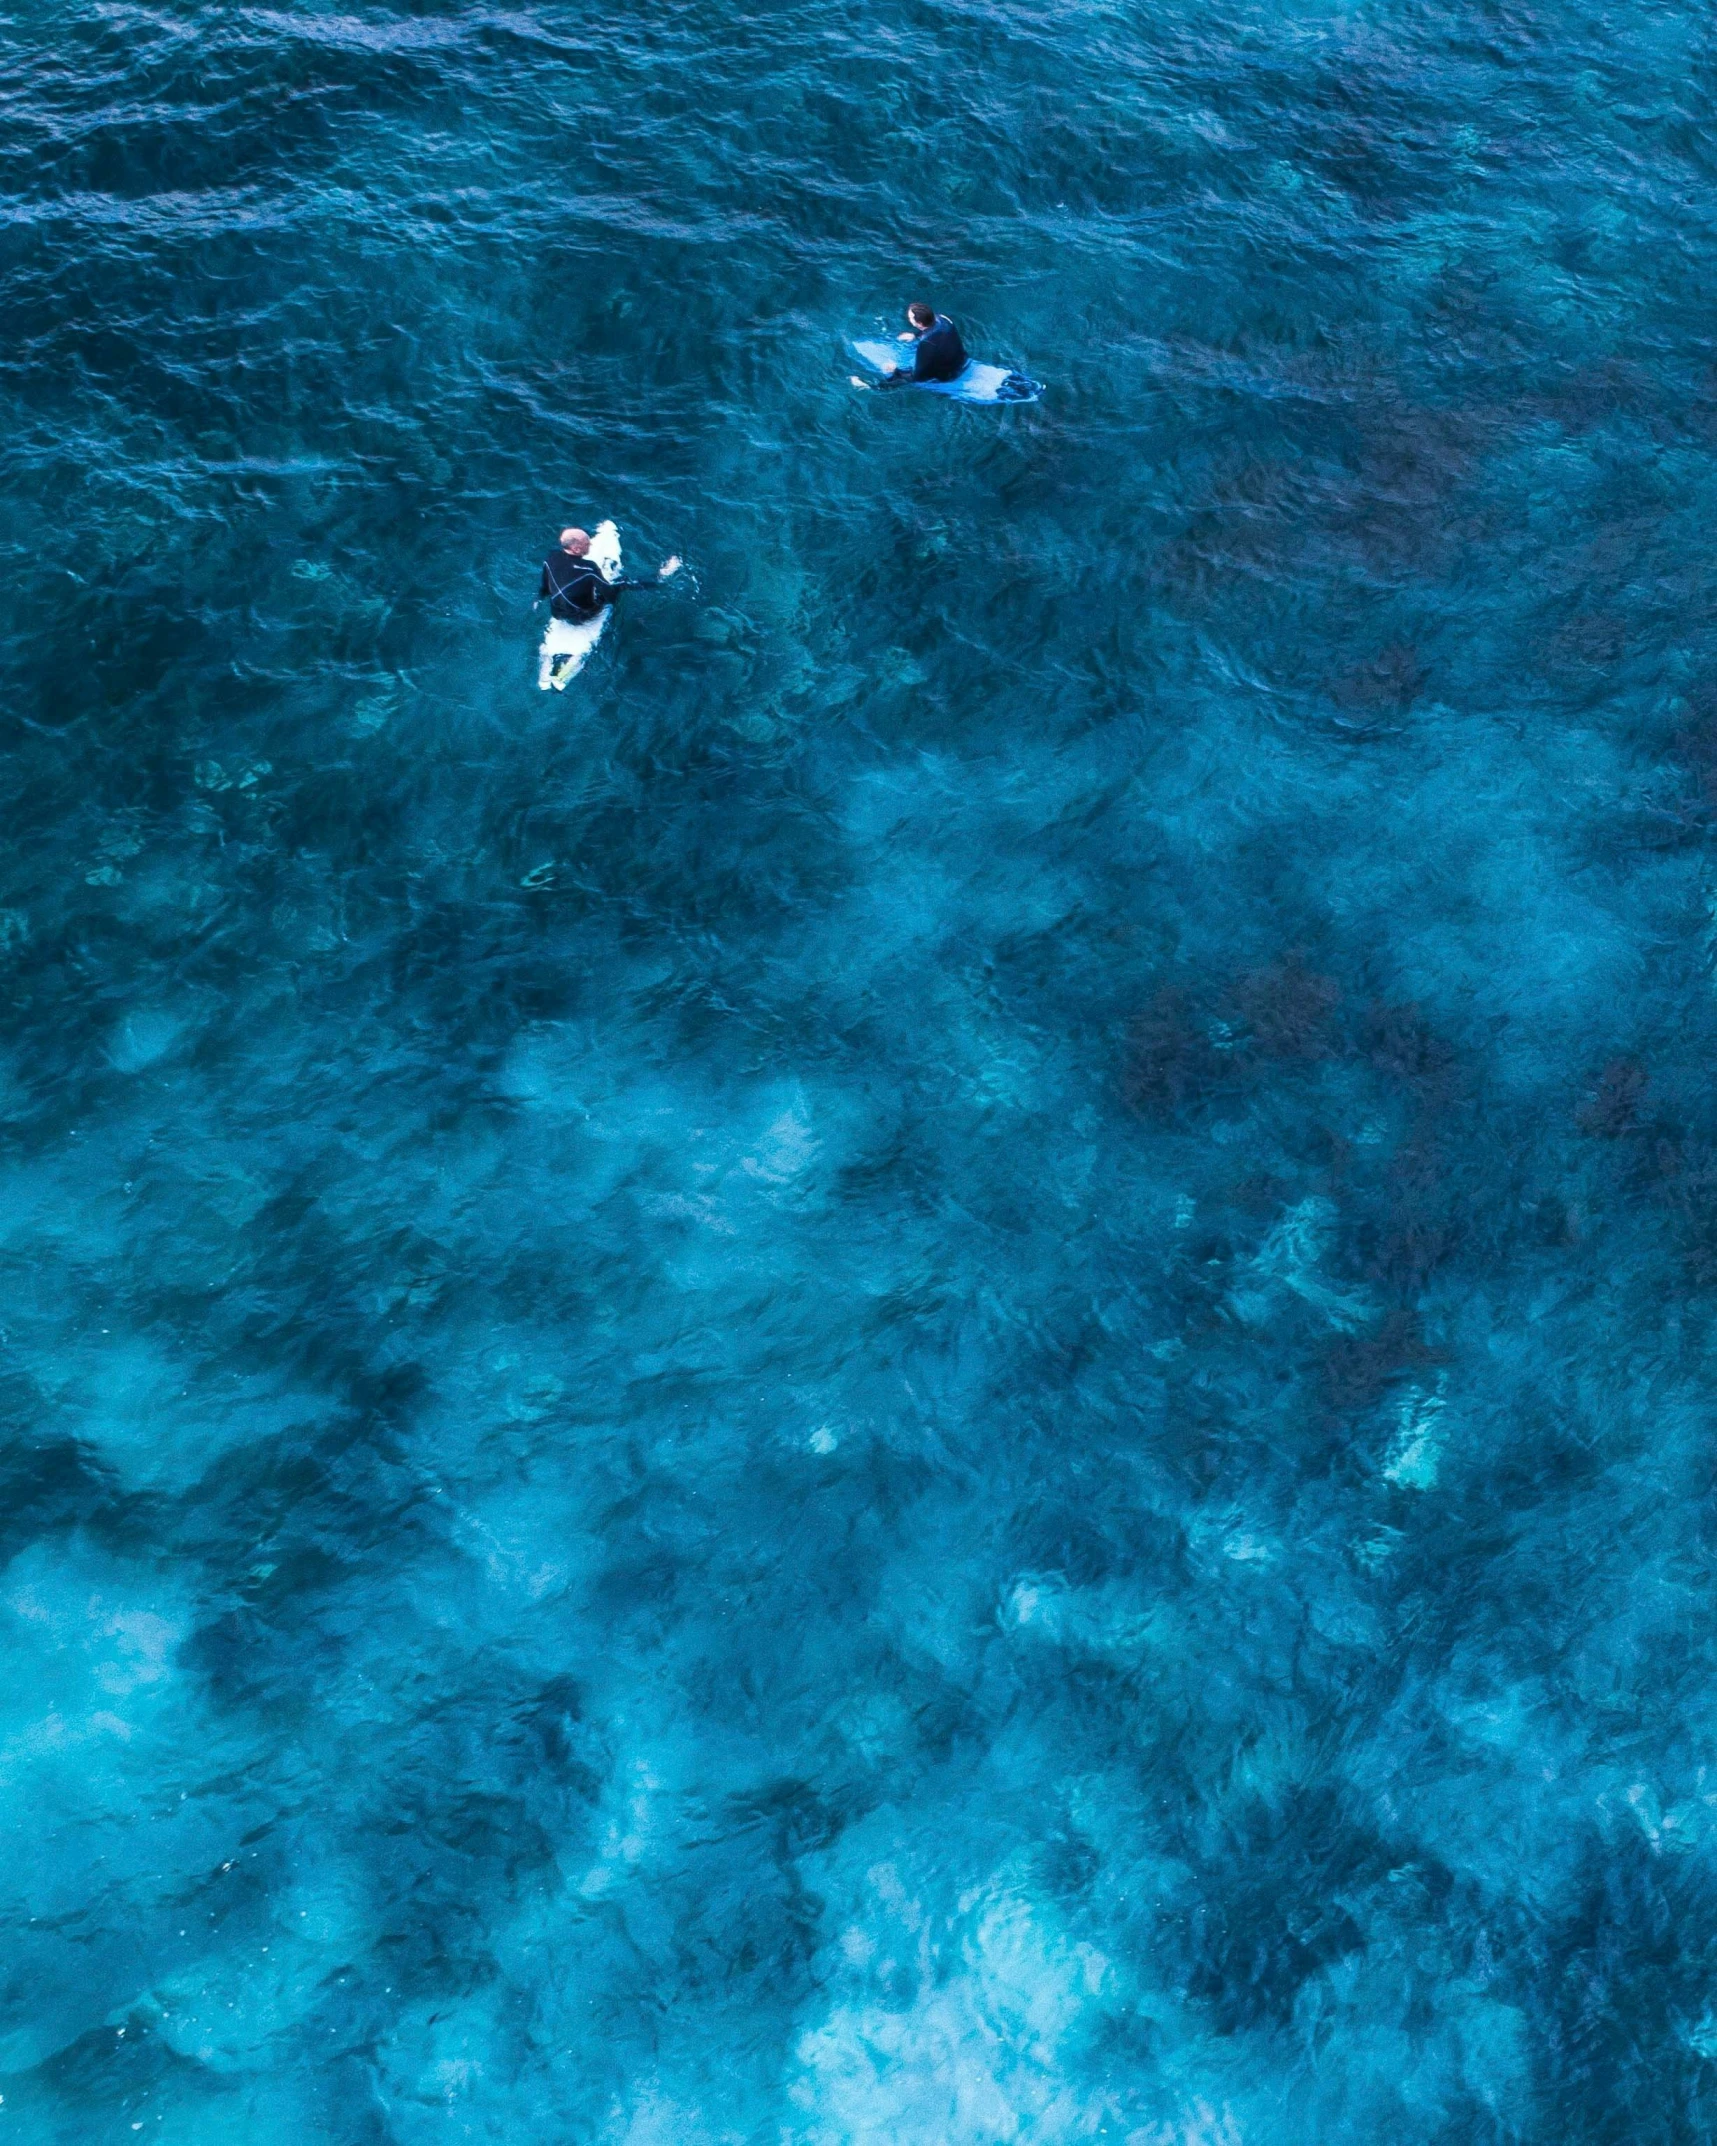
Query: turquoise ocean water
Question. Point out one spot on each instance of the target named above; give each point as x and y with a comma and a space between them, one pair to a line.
939, 1370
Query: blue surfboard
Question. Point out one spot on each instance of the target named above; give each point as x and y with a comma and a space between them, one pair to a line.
978, 383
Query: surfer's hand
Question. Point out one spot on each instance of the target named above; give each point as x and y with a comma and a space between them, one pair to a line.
669, 567
905, 336
856, 381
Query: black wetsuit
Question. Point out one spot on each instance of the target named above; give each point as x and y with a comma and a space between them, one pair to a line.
940, 355
578, 589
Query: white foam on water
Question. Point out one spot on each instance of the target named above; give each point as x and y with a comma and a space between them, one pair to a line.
981, 2051
1416, 1452
1291, 1258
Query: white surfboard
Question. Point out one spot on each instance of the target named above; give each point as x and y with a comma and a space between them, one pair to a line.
568, 642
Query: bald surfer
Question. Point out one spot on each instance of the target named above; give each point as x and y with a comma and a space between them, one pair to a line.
580, 582
576, 588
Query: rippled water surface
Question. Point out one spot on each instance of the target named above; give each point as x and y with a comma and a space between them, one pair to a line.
938, 1370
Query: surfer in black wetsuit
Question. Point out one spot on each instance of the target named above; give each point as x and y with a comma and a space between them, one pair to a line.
577, 588
940, 354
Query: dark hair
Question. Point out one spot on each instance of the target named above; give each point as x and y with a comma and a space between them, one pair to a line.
921, 315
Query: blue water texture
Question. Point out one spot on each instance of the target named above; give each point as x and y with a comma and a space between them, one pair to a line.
939, 1370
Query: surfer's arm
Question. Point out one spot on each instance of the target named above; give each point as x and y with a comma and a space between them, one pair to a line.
937, 357
900, 375
665, 572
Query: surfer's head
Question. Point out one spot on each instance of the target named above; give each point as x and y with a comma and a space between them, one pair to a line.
576, 541
920, 315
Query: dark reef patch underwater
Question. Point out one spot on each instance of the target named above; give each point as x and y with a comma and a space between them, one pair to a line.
938, 1371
